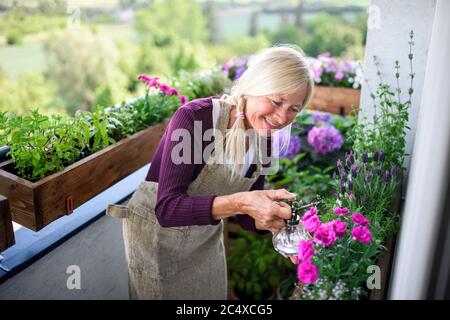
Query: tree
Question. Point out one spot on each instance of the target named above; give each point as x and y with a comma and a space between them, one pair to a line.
80, 62
166, 22
31, 91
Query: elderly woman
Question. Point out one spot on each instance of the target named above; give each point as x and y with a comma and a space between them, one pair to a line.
173, 230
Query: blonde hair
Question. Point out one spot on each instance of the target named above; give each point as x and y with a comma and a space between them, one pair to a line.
281, 69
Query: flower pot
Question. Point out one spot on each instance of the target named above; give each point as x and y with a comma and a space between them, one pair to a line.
36, 204
285, 289
335, 100
386, 259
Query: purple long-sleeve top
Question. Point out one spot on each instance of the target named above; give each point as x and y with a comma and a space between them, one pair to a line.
174, 207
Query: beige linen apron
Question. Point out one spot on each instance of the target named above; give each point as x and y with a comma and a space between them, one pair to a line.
179, 262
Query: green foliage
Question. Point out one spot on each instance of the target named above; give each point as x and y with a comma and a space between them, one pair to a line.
201, 84
17, 23
171, 59
333, 34
32, 90
14, 37
79, 63
41, 145
289, 33
255, 268
184, 17
245, 45
324, 32
387, 128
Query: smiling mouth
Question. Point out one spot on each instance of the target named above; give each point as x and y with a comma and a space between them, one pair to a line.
271, 125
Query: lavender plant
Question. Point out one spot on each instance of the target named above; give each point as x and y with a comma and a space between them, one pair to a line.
387, 128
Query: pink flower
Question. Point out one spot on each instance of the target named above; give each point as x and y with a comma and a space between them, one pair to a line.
341, 211
361, 234
325, 234
358, 218
340, 227
165, 88
339, 75
312, 223
183, 100
308, 214
173, 91
143, 77
307, 272
305, 250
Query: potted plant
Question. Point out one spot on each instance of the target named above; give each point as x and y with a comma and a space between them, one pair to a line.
367, 185
255, 269
58, 163
338, 84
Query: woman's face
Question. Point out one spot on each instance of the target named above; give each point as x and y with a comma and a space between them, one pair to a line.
267, 114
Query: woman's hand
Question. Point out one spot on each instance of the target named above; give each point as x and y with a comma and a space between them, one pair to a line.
261, 205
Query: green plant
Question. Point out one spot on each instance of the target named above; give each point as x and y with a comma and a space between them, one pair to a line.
387, 128
255, 268
201, 84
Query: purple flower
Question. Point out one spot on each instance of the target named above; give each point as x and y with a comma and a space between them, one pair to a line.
353, 171
305, 250
339, 75
321, 117
342, 185
350, 185
239, 71
183, 100
365, 159
382, 156
307, 272
325, 235
325, 139
361, 234
387, 176
394, 170
349, 158
379, 171
359, 219
293, 148
368, 176
375, 155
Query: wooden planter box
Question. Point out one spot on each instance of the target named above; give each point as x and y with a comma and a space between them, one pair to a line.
6, 227
36, 204
335, 100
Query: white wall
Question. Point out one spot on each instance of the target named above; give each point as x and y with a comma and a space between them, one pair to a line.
389, 25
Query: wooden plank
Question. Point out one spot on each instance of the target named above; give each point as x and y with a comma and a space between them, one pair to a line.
35, 205
334, 100
94, 174
20, 193
6, 227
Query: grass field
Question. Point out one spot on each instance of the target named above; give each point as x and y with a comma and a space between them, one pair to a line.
15, 60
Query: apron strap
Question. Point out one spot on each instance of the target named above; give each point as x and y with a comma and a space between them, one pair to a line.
118, 211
